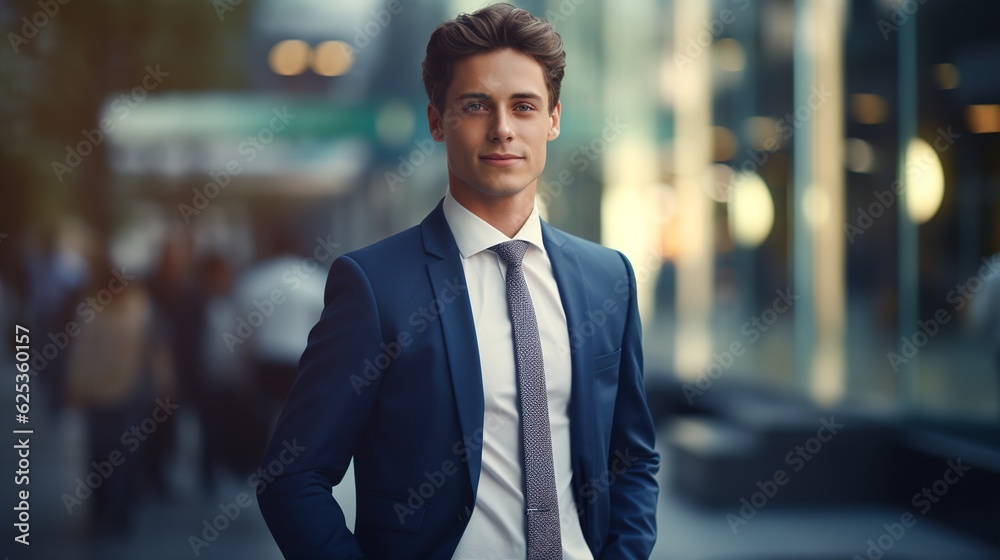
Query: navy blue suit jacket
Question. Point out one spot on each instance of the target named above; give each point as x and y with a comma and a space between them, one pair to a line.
391, 377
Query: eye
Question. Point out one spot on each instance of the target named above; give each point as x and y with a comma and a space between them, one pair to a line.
524, 107
474, 107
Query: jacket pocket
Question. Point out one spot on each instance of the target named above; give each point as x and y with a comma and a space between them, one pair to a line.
608, 360
606, 383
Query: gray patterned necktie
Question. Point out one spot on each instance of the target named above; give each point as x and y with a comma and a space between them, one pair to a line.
542, 501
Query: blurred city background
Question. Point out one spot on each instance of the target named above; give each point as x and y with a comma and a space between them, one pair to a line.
807, 189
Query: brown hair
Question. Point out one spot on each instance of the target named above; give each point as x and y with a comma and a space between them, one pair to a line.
494, 27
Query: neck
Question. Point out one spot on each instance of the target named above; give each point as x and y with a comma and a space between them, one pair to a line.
505, 213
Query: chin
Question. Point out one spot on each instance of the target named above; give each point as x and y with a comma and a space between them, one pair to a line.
493, 185
502, 189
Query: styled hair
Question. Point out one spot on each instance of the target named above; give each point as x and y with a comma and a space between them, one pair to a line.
497, 26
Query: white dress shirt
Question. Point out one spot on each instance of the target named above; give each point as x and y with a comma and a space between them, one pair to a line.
497, 526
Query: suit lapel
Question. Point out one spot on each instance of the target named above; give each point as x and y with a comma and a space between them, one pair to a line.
462, 349
459, 331
569, 277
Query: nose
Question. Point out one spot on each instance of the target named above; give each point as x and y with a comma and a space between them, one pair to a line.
501, 130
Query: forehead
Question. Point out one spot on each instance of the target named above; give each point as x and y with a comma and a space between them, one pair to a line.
498, 73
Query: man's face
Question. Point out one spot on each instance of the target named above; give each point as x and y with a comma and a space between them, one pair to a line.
497, 105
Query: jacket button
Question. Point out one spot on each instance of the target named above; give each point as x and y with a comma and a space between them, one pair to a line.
465, 513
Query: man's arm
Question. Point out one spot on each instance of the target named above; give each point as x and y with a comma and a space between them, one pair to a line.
319, 427
633, 436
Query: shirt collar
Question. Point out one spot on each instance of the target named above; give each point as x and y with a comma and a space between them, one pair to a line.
473, 234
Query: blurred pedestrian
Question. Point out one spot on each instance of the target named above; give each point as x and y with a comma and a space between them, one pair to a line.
175, 288
56, 275
285, 290
115, 369
232, 433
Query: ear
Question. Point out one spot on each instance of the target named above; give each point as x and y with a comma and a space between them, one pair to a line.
554, 121
435, 123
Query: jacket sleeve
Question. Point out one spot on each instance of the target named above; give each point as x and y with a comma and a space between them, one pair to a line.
632, 458
318, 430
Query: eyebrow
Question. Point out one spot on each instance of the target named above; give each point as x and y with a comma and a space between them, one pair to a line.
520, 95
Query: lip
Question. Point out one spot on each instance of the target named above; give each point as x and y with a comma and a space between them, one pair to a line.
501, 160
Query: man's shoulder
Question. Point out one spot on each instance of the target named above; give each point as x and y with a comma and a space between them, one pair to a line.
393, 249
591, 254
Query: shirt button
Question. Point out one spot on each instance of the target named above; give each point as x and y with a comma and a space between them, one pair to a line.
465, 513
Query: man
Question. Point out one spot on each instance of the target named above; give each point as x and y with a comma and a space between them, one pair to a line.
483, 368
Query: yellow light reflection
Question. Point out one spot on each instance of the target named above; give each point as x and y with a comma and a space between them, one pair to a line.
947, 76
763, 133
823, 202
724, 143
869, 108
289, 58
924, 181
816, 207
729, 55
860, 155
983, 119
722, 183
693, 154
751, 210
332, 58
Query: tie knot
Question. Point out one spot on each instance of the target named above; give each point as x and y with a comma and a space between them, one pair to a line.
511, 251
